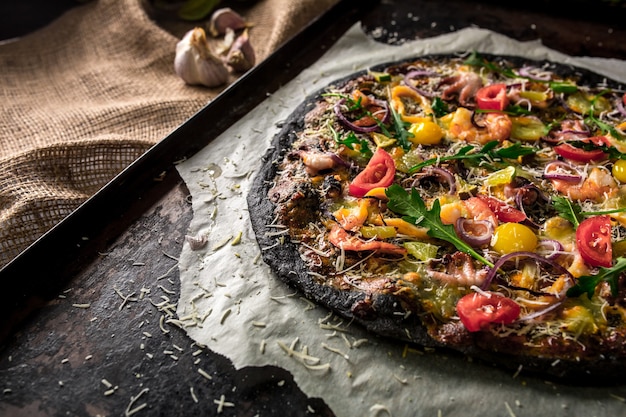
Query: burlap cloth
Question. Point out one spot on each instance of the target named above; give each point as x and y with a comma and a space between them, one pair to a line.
89, 93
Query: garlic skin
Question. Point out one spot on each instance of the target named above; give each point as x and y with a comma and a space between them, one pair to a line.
225, 18
195, 63
241, 56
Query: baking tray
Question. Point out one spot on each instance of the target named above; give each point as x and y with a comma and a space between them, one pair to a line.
92, 253
60, 253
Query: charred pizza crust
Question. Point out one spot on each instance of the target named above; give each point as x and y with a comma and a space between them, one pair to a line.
284, 198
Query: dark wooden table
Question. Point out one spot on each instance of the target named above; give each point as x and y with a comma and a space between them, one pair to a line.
85, 330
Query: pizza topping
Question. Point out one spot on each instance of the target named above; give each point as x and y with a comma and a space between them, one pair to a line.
409, 104
465, 84
573, 153
597, 186
477, 233
493, 126
379, 172
492, 97
513, 237
474, 191
317, 161
587, 284
412, 206
457, 269
362, 113
339, 237
479, 310
593, 240
503, 211
619, 170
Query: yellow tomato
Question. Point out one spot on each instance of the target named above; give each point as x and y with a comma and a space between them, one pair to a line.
513, 237
619, 170
425, 132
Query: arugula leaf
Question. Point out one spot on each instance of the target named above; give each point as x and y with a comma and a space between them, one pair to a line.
487, 153
565, 209
475, 59
587, 284
414, 210
440, 107
604, 127
611, 151
573, 212
350, 140
402, 135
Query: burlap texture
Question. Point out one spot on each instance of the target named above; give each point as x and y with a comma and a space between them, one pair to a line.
86, 95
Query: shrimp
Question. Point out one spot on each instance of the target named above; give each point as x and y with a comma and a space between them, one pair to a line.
466, 84
598, 185
459, 270
354, 217
497, 126
472, 208
318, 161
343, 240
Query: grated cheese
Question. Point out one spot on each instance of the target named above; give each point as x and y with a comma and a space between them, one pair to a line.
204, 373
509, 409
129, 409
310, 362
335, 350
221, 403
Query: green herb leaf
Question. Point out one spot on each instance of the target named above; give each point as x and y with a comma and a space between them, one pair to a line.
475, 59
563, 87
414, 210
566, 210
604, 127
350, 140
488, 154
197, 9
587, 284
573, 213
440, 107
611, 151
402, 135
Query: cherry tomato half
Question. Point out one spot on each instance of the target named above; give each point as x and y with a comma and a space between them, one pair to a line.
568, 151
492, 97
593, 240
503, 211
379, 172
478, 310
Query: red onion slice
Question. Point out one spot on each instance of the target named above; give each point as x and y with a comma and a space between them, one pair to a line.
534, 73
441, 174
560, 170
476, 233
540, 313
620, 107
549, 248
416, 74
532, 255
344, 120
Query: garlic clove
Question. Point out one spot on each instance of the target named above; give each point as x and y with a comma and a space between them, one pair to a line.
223, 19
229, 38
241, 56
196, 64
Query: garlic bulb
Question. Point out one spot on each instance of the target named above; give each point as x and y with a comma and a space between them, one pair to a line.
241, 55
225, 18
195, 63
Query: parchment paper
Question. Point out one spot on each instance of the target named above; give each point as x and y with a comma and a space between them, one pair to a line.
233, 304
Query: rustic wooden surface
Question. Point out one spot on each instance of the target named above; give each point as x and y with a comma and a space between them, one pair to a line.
109, 321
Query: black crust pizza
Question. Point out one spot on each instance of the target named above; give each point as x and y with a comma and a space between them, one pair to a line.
470, 202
